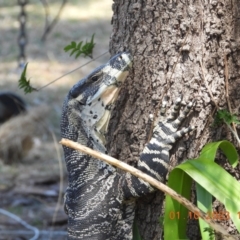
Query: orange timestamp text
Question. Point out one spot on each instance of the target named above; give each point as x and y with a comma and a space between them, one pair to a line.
214, 215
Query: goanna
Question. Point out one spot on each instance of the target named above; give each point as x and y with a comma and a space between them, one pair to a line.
100, 201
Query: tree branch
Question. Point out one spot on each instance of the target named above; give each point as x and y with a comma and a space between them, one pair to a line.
50, 26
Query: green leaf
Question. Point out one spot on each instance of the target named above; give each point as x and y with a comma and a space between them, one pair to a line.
226, 117
73, 51
79, 49
73, 44
78, 54
212, 180
67, 48
204, 198
209, 151
79, 45
204, 202
234, 209
175, 213
136, 234
23, 83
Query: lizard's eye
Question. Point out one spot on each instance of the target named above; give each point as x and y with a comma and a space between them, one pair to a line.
94, 78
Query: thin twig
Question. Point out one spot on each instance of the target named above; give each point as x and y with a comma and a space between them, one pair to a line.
46, 9
233, 128
22, 222
50, 26
72, 71
226, 81
150, 180
58, 206
234, 132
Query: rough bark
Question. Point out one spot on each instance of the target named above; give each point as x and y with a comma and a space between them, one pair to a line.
178, 47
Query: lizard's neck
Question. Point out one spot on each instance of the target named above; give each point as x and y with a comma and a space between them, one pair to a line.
95, 139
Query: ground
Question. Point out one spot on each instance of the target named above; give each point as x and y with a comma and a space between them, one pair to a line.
30, 188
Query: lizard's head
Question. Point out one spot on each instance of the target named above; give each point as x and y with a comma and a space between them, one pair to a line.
90, 101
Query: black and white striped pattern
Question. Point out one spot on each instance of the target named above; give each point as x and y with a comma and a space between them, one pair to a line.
154, 159
99, 201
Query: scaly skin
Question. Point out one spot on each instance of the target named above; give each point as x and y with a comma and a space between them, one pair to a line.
99, 201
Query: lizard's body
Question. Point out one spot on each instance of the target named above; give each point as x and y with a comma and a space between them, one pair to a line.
100, 201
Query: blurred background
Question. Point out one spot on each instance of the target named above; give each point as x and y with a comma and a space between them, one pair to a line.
32, 168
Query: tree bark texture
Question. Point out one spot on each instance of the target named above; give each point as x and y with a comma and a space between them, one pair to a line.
188, 47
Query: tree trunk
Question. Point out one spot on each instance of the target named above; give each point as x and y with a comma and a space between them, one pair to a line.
188, 47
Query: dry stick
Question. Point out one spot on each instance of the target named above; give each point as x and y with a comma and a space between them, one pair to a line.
150, 180
60, 185
49, 27
233, 128
226, 79
46, 9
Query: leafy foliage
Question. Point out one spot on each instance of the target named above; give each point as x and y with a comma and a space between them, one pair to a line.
79, 48
211, 180
223, 116
75, 48
24, 83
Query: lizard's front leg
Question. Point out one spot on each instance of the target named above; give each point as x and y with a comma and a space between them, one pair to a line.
154, 159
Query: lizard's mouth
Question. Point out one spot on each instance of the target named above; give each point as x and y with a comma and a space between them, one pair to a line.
104, 108
102, 102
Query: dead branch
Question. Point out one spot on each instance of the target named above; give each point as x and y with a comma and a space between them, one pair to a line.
50, 26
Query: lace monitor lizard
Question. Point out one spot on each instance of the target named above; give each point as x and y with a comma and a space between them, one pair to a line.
100, 201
